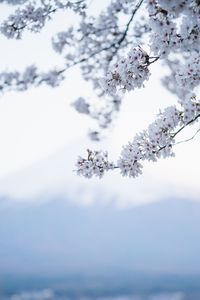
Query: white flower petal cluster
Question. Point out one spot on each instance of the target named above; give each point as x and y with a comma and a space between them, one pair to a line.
188, 75
129, 73
30, 17
34, 16
97, 43
78, 6
96, 164
157, 141
151, 144
173, 7
175, 26
31, 76
190, 32
164, 37
185, 75
13, 2
191, 110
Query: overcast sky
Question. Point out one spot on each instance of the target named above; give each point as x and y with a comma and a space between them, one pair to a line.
41, 135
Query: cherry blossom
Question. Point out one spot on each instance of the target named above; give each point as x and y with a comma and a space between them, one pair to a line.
96, 164
115, 51
153, 143
33, 16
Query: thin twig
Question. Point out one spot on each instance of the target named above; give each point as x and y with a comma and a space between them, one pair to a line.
120, 41
189, 139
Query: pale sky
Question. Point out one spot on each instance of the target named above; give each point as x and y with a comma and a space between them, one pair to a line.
41, 135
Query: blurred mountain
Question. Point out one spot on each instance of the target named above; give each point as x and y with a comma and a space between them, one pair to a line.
59, 237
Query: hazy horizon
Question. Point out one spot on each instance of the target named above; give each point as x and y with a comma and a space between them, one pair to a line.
59, 236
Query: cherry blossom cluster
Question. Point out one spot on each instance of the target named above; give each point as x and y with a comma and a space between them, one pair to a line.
184, 78
96, 164
174, 7
164, 37
151, 144
98, 43
191, 110
31, 75
129, 73
188, 75
169, 81
34, 16
175, 26
13, 2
